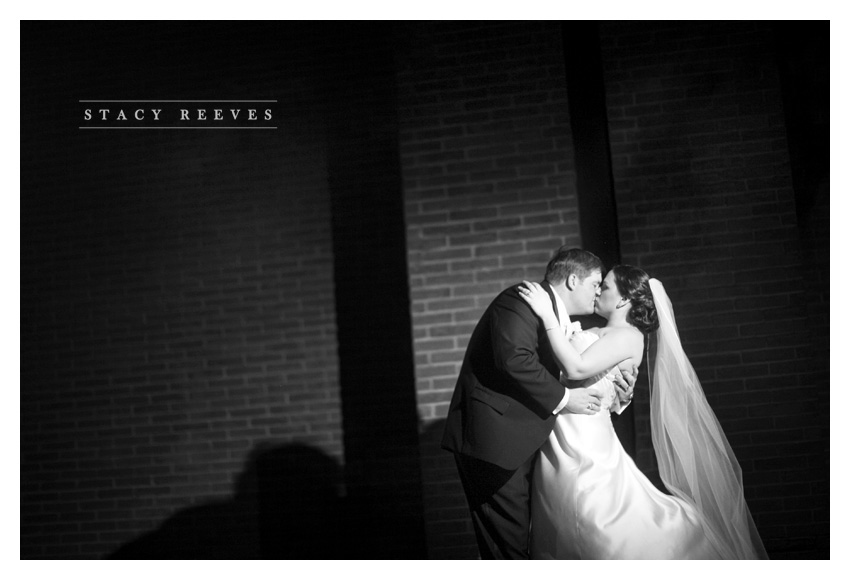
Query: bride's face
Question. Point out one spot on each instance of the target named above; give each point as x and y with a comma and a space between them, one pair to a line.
609, 298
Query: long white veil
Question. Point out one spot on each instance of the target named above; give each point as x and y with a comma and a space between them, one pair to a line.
695, 460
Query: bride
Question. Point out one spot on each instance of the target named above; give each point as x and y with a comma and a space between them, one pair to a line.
589, 499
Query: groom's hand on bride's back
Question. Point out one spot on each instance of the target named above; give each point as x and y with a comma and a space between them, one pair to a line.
583, 402
625, 383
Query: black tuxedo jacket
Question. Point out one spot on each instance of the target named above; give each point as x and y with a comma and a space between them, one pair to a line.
501, 409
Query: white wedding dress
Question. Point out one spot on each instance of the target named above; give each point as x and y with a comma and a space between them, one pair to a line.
590, 501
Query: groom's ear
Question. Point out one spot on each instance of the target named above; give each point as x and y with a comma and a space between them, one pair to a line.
572, 281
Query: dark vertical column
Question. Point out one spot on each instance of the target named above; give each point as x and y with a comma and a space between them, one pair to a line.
802, 54
594, 180
377, 377
589, 123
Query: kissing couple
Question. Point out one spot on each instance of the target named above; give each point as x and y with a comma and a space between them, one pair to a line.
530, 427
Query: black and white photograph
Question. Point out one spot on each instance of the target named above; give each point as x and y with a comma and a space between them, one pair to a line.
425, 289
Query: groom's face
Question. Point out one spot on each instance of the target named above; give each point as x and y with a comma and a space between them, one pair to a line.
584, 293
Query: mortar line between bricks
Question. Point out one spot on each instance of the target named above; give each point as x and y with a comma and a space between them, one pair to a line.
179, 128
178, 101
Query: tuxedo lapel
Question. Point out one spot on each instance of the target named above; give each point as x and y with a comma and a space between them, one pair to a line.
548, 288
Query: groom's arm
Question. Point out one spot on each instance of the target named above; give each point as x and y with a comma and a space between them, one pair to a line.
563, 403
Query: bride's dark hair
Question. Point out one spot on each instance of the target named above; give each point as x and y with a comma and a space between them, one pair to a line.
633, 284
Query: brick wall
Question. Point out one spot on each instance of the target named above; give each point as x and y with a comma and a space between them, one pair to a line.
706, 204
178, 330
489, 193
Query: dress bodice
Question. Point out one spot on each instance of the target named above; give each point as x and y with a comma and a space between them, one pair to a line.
581, 341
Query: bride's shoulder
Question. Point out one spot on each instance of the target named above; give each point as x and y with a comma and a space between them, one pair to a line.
621, 332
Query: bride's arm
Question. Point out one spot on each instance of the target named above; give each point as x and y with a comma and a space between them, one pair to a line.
610, 350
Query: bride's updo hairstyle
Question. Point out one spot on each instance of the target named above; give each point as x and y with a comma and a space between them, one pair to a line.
633, 284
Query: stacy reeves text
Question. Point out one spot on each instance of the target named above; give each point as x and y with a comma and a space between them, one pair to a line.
176, 115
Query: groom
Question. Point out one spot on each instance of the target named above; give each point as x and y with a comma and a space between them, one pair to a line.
507, 398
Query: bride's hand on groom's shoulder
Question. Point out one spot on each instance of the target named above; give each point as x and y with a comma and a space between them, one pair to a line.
535, 296
583, 402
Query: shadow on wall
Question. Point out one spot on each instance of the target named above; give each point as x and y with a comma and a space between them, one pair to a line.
449, 527
287, 505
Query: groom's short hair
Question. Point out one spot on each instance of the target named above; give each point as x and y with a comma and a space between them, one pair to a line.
567, 261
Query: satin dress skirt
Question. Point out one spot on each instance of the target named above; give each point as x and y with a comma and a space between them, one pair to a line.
590, 501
